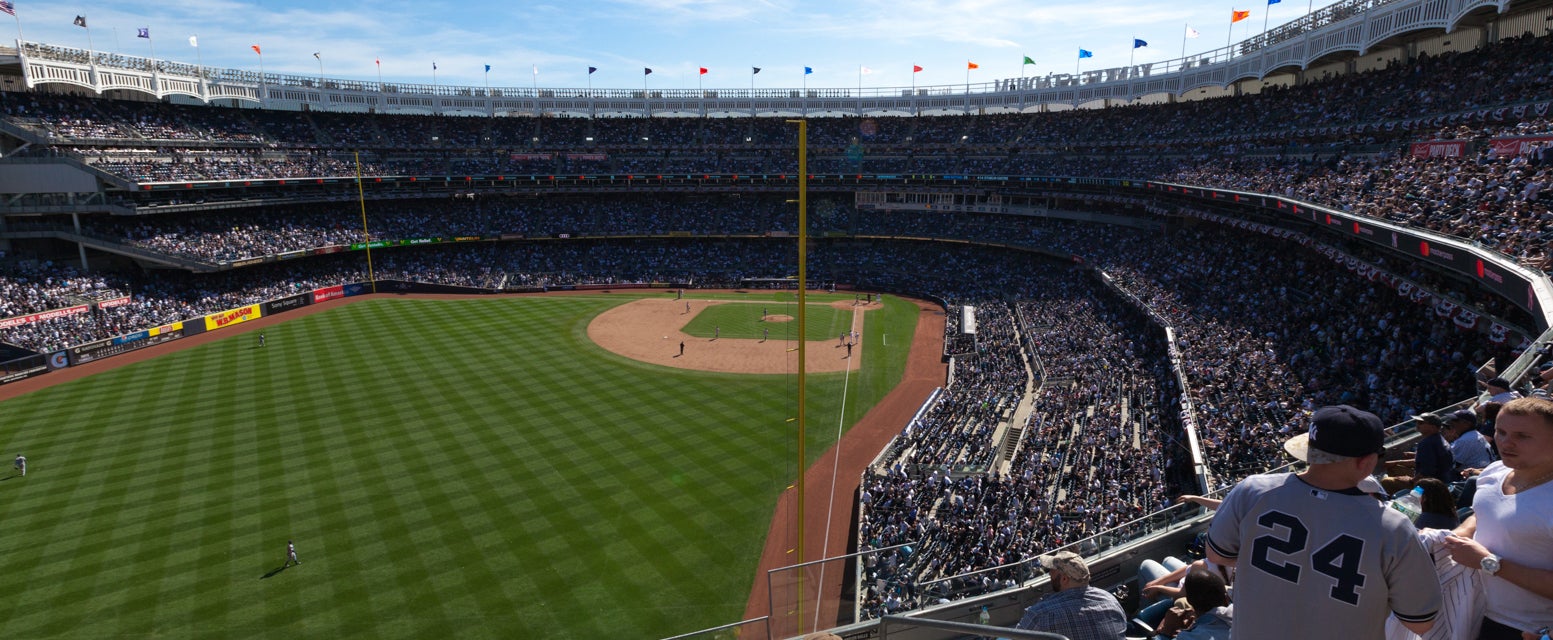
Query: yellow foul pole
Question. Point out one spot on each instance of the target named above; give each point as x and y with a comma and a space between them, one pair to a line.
366, 236
803, 293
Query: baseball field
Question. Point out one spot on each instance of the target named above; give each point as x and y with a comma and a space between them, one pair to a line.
474, 468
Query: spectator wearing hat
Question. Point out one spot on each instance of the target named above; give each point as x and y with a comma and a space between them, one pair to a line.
1469, 448
1431, 459
1076, 610
1314, 538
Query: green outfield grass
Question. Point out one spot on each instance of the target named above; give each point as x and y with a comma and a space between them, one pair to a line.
742, 319
467, 468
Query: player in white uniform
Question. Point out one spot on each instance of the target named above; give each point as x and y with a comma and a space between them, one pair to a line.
291, 555
1316, 557
21, 464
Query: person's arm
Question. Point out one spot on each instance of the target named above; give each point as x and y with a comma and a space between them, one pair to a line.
1468, 528
1470, 553
1210, 503
1165, 584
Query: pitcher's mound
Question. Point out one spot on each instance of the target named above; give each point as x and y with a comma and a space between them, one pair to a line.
649, 330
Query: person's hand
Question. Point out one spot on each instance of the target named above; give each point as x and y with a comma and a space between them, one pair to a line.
1466, 551
1176, 620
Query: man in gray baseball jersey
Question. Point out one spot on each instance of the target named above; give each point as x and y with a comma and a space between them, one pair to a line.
1314, 556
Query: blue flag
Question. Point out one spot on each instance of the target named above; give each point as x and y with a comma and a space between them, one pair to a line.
487, 68
808, 70
1085, 54
1272, 2
1136, 43
591, 70
144, 32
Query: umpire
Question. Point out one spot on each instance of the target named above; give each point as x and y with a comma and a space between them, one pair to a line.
1322, 558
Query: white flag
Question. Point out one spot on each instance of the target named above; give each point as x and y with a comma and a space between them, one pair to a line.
867, 71
536, 69
194, 41
1191, 33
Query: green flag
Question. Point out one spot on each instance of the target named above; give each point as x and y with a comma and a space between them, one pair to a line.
1028, 60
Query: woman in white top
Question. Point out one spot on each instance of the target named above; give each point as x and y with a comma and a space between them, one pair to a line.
1510, 536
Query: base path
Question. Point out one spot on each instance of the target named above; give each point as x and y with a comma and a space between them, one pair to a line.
925, 371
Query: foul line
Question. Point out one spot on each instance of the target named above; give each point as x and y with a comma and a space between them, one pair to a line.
835, 469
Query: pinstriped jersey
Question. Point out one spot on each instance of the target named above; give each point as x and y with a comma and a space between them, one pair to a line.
1312, 563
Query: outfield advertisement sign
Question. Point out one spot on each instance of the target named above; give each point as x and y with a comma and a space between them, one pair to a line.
116, 302
232, 316
44, 315
357, 289
288, 303
92, 351
328, 293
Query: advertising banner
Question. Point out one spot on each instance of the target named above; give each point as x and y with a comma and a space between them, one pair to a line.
92, 351
288, 303
43, 315
328, 293
116, 302
1439, 149
1507, 147
59, 360
232, 316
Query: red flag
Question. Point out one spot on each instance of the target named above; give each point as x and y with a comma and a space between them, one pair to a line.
256, 50
915, 69
703, 71
1237, 16
971, 65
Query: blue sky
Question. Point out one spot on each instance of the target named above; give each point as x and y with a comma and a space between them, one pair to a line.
673, 37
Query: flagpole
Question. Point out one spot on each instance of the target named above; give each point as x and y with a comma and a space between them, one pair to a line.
1183, 42
264, 89
320, 58
1231, 33
152, 45
379, 63
1267, 12
1132, 53
199, 59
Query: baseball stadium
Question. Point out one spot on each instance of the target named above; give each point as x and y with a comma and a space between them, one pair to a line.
295, 356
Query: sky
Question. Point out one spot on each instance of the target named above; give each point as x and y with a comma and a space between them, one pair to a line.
673, 37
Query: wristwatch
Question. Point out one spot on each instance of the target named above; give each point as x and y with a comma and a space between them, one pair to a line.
1490, 564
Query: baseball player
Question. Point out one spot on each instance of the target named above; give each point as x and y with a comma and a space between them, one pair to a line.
687, 307
291, 555
1314, 556
21, 463
717, 332
261, 338
765, 334
682, 347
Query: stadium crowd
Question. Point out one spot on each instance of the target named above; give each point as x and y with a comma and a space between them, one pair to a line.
1005, 464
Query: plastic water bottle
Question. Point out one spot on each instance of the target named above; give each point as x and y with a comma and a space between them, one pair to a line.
1411, 504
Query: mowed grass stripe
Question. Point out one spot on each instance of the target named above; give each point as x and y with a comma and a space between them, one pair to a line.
470, 468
